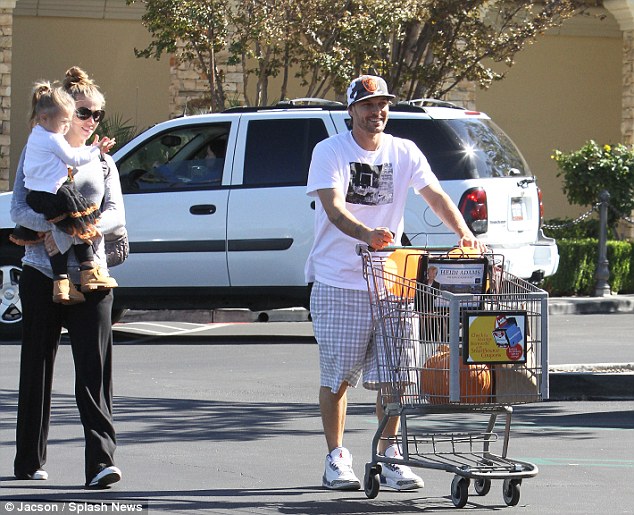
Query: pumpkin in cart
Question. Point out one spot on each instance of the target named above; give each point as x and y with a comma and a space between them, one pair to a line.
475, 380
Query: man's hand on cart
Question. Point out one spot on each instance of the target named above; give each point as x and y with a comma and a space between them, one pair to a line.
380, 237
471, 242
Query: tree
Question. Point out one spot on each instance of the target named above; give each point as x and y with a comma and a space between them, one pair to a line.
424, 48
264, 33
194, 31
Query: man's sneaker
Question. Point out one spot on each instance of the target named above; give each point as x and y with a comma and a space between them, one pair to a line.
38, 475
105, 477
338, 474
398, 477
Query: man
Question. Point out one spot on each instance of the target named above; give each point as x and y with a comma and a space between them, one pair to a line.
360, 179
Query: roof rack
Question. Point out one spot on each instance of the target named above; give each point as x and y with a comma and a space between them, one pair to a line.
322, 103
422, 102
299, 103
309, 101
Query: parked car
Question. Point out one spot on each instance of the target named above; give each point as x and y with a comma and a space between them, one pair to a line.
218, 215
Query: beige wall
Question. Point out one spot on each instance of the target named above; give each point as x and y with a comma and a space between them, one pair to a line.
562, 92
45, 47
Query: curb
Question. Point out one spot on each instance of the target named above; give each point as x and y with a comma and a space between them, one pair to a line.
218, 316
591, 386
612, 304
591, 305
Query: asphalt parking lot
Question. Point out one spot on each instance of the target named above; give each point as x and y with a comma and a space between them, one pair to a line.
230, 424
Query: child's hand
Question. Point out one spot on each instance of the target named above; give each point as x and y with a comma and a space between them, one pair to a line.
105, 144
50, 245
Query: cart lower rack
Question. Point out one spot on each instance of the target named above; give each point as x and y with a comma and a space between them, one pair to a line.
460, 338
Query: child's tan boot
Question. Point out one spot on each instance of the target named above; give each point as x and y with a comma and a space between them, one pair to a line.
74, 295
96, 279
64, 292
61, 288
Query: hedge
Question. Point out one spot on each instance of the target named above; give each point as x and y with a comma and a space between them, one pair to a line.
578, 263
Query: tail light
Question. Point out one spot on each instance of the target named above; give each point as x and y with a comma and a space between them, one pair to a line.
473, 206
541, 206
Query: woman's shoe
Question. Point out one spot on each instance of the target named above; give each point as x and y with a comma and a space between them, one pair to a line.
105, 477
38, 475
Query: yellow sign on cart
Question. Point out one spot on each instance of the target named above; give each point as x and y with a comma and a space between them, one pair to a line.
494, 337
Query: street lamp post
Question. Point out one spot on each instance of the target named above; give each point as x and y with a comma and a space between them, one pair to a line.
602, 288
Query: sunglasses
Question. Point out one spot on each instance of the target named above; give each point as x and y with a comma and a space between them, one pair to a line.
83, 113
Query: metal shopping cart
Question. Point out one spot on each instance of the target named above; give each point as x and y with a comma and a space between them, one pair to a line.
456, 337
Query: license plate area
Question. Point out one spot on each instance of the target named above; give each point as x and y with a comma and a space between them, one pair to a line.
518, 210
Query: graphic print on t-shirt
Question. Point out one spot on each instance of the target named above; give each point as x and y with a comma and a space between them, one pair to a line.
370, 185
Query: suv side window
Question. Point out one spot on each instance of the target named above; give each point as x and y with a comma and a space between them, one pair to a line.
185, 158
278, 152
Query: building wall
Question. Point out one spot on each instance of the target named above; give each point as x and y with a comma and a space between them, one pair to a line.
6, 42
563, 91
45, 47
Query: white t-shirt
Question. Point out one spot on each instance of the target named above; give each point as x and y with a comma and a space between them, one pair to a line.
374, 184
46, 159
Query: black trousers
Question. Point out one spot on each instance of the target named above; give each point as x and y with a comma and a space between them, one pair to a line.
90, 331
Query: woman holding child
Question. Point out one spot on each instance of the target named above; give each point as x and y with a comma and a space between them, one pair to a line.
88, 321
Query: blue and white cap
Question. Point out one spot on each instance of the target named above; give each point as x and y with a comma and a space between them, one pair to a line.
367, 86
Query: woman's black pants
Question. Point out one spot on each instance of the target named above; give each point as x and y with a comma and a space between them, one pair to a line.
90, 332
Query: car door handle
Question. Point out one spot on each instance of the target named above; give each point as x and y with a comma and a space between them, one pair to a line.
312, 205
203, 209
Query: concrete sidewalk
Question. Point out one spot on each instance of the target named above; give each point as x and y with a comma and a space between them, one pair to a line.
556, 306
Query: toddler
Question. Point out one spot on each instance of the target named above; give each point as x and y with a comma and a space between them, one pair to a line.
48, 175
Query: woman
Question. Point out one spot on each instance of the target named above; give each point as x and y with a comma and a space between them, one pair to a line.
88, 323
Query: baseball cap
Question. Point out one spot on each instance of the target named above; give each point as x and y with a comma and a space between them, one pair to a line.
367, 86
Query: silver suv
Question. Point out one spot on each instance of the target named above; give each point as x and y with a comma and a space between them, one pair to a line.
218, 215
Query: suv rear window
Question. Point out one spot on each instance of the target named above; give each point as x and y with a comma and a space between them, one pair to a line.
462, 148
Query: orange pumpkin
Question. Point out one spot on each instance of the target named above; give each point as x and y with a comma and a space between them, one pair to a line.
475, 380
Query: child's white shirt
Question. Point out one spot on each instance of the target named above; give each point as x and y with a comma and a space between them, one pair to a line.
48, 156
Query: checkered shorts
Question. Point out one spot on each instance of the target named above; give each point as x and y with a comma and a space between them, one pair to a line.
342, 323
343, 327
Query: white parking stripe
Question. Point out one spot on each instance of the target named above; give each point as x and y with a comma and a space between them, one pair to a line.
166, 329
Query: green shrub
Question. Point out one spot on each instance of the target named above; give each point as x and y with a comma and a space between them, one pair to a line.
578, 263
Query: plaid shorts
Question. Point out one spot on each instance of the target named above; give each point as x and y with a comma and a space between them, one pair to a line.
344, 329
342, 323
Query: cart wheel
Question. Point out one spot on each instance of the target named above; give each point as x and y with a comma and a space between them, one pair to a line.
459, 491
371, 481
482, 486
511, 491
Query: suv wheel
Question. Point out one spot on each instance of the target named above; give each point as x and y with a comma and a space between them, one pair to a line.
10, 305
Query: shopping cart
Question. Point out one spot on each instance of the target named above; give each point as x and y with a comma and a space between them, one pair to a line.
472, 345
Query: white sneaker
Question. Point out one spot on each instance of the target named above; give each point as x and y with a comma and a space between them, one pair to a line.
38, 475
338, 474
105, 477
398, 477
